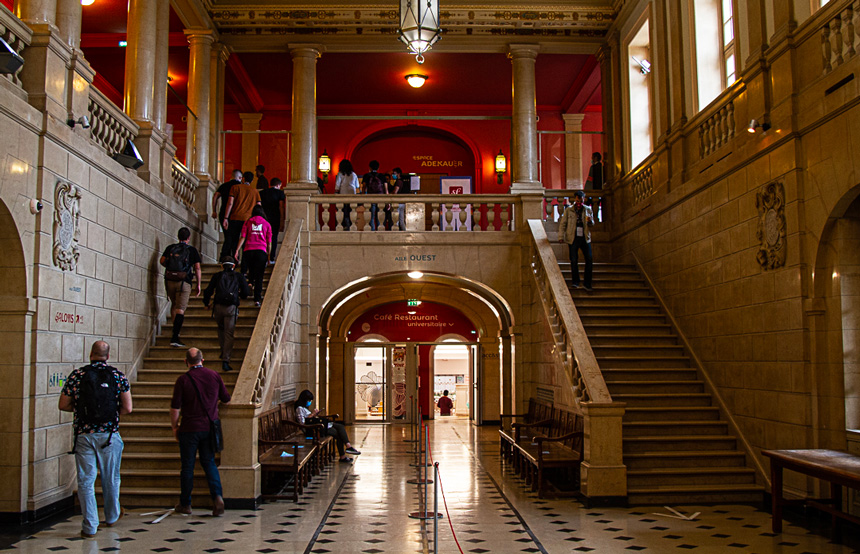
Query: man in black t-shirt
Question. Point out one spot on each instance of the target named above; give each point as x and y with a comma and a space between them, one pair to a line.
223, 193
274, 203
595, 173
262, 182
182, 263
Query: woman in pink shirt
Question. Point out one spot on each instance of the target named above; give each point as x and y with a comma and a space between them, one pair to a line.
256, 236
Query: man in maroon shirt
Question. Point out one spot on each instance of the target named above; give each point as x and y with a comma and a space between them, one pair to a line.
195, 400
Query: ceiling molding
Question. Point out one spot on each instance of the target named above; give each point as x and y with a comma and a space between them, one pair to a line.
194, 14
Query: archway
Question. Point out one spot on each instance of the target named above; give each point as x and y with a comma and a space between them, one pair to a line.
488, 313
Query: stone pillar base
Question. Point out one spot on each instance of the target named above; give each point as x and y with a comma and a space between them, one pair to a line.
241, 486
81, 75
603, 473
45, 73
532, 201
299, 205
149, 143
603, 481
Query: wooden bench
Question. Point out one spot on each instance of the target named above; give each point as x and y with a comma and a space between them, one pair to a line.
553, 442
840, 469
287, 446
537, 419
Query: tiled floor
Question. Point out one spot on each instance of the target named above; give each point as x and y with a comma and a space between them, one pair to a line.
364, 508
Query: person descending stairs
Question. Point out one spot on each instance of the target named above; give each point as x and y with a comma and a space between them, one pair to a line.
150, 461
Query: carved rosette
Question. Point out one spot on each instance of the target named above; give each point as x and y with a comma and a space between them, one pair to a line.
770, 201
67, 214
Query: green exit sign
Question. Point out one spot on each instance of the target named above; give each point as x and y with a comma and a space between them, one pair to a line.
412, 302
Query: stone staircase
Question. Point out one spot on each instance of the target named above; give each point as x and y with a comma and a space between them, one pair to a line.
677, 447
150, 460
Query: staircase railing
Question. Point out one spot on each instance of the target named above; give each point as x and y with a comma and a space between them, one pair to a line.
603, 473
709, 383
240, 469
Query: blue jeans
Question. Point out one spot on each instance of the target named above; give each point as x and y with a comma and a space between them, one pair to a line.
90, 458
374, 211
189, 445
579, 243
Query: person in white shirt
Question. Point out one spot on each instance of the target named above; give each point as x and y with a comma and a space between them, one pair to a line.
346, 183
336, 430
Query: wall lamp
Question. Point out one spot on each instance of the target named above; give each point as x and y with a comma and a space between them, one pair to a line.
644, 65
83, 121
325, 164
10, 61
501, 165
755, 125
129, 157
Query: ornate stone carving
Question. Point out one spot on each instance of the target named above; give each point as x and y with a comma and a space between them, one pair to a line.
770, 201
67, 214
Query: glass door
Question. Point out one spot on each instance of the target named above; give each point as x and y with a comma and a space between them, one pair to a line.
371, 382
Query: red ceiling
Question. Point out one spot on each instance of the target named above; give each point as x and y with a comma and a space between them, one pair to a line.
111, 16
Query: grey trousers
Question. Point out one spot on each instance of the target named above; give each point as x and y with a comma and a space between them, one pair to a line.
225, 317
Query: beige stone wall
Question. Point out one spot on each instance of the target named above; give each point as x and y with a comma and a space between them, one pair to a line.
52, 316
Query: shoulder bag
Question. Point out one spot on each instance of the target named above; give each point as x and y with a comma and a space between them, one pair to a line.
216, 437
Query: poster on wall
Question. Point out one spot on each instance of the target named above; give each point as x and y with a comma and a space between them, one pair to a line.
398, 361
456, 185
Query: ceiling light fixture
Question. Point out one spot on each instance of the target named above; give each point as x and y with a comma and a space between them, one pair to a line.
415, 274
419, 26
416, 80
87, 2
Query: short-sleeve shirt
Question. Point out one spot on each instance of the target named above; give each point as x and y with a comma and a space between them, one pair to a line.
262, 183
245, 197
257, 233
224, 194
72, 388
195, 416
271, 199
193, 258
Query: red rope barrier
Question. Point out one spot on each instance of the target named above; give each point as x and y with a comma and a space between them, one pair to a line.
444, 500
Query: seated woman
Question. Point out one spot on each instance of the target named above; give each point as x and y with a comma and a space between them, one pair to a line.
336, 430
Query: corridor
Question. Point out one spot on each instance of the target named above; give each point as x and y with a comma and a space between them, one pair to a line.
364, 508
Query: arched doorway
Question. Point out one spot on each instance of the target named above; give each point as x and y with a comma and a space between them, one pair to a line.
471, 311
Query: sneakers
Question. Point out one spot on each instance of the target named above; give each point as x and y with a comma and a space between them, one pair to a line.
218, 509
574, 286
176, 343
225, 366
184, 510
346, 460
353, 451
257, 303
588, 289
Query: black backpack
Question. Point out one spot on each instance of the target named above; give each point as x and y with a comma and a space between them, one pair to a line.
176, 268
98, 397
375, 185
227, 289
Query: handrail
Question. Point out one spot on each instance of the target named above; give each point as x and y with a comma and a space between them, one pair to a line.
265, 351
709, 384
572, 347
111, 127
185, 183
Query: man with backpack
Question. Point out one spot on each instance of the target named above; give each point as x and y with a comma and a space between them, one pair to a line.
225, 289
181, 263
98, 394
373, 182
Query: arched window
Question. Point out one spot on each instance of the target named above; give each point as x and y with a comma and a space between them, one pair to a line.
714, 43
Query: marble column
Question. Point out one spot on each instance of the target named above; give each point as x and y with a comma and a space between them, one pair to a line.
200, 41
39, 12
250, 140
304, 115
573, 150
69, 22
524, 124
79, 73
140, 59
160, 65
220, 55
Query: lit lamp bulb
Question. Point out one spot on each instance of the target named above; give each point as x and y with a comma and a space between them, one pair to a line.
87, 2
416, 80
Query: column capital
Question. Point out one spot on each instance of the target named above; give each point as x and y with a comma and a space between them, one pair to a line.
306, 50
252, 117
573, 118
222, 51
523, 51
199, 36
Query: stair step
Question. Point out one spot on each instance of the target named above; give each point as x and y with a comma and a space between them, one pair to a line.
650, 374
207, 341
212, 362
611, 311
692, 427
152, 445
626, 362
601, 292
670, 413
692, 494
145, 429
664, 400
146, 415
684, 476
172, 370
173, 353
637, 350
596, 317
584, 300
664, 443
655, 387
145, 497
684, 458
630, 339
159, 479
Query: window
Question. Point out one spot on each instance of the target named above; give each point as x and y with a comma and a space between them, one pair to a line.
639, 79
715, 54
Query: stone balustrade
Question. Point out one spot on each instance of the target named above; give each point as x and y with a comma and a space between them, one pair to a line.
554, 201
642, 183
111, 128
185, 183
839, 37
440, 212
17, 36
717, 130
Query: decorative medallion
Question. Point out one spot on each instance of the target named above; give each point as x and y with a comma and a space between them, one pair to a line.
770, 201
67, 230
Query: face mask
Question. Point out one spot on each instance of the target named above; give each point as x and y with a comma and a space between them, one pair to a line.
308, 404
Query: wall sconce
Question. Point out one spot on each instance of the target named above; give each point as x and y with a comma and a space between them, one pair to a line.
419, 26
10, 61
644, 65
501, 165
416, 80
83, 121
755, 125
129, 157
325, 164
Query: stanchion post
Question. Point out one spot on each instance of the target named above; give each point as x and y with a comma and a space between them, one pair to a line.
426, 448
435, 508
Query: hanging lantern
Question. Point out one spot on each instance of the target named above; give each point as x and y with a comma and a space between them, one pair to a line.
419, 26
325, 164
501, 165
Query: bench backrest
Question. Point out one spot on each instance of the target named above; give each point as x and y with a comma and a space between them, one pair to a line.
566, 422
268, 428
